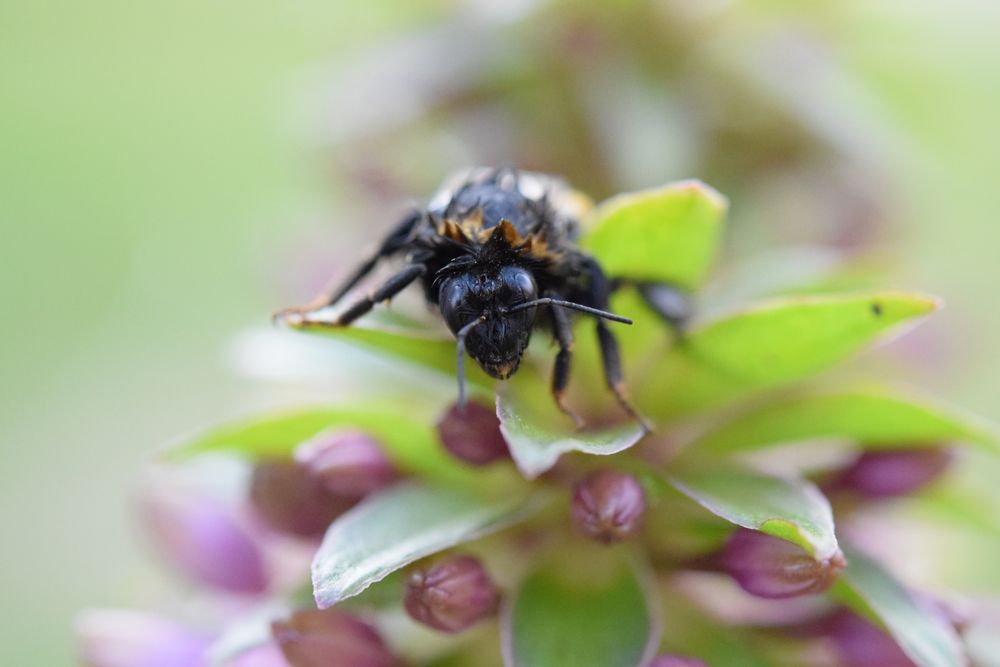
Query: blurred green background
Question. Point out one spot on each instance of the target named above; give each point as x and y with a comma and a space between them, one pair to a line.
172, 172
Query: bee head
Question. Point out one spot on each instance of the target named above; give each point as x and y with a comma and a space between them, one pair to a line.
481, 299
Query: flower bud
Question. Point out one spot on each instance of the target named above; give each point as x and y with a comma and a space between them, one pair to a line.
267, 654
861, 644
348, 463
451, 595
472, 434
290, 500
895, 472
676, 661
770, 567
608, 505
330, 638
114, 638
203, 538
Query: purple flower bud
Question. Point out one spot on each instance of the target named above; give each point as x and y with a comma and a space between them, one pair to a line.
348, 463
771, 567
472, 434
452, 595
113, 638
265, 655
895, 472
676, 661
861, 644
330, 638
290, 500
203, 538
608, 505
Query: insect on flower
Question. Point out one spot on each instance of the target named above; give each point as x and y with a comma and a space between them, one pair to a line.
496, 252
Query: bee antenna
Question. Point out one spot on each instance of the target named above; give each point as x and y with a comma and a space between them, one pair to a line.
559, 303
460, 361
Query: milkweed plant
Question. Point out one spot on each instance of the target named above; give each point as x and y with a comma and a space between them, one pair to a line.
397, 528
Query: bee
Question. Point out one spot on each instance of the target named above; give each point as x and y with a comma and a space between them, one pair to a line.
495, 251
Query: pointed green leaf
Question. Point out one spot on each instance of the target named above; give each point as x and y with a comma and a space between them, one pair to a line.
791, 509
431, 349
874, 418
923, 634
411, 443
398, 526
667, 234
774, 343
536, 448
602, 617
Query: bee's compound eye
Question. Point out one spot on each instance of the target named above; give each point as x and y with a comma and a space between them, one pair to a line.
455, 302
519, 284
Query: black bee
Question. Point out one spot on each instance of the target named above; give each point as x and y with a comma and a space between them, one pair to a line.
495, 251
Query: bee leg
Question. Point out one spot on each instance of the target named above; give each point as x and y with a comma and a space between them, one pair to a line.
600, 293
393, 286
563, 332
670, 302
611, 357
392, 243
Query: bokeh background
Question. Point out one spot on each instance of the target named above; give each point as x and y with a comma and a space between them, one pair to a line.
170, 172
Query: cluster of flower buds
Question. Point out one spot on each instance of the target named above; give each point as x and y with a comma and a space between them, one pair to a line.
771, 567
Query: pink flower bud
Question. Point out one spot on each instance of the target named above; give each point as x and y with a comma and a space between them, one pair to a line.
204, 539
290, 500
895, 472
608, 505
452, 595
771, 567
112, 638
861, 644
265, 655
472, 434
330, 638
676, 661
349, 463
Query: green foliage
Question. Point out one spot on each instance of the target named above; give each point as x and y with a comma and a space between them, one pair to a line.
771, 344
874, 418
581, 617
667, 234
791, 509
410, 442
399, 526
536, 448
405, 341
922, 632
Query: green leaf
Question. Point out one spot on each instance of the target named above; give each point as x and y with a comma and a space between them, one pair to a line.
667, 234
874, 418
411, 443
791, 509
430, 349
774, 343
601, 617
398, 526
536, 448
924, 635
